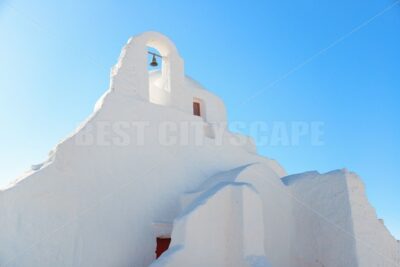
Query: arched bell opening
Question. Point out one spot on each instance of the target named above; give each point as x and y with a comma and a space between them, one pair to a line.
159, 75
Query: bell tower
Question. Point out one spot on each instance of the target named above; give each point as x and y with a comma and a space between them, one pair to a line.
130, 76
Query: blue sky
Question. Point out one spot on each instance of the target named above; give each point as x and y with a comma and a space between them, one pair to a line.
55, 58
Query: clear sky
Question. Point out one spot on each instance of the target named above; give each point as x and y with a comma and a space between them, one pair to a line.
336, 62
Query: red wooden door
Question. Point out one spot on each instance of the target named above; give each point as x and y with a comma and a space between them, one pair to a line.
196, 109
162, 245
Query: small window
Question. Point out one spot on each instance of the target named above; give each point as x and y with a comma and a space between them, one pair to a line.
162, 245
196, 109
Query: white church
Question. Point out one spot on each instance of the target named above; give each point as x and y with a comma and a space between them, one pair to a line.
130, 188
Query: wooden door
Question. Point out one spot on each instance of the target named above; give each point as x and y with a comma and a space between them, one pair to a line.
162, 245
196, 109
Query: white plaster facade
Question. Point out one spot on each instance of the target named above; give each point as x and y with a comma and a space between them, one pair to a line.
104, 203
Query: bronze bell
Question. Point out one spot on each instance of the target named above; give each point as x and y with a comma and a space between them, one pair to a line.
154, 62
